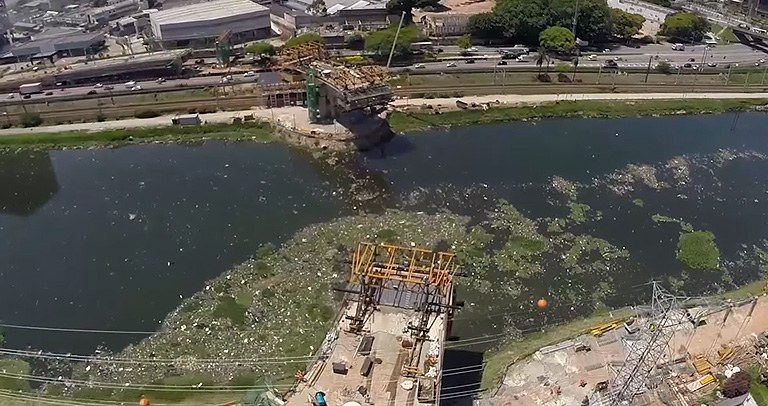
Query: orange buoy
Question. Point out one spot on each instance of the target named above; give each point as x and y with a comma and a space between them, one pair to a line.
542, 303
144, 402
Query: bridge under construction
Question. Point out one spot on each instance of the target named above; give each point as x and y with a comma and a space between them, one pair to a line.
387, 343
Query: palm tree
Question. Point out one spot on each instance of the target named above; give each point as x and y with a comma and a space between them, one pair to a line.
541, 58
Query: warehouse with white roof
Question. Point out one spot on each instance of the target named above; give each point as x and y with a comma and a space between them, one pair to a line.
200, 24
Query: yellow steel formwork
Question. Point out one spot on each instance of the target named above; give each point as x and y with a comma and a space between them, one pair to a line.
418, 266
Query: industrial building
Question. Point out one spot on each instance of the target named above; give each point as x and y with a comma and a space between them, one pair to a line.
57, 43
359, 15
199, 25
101, 16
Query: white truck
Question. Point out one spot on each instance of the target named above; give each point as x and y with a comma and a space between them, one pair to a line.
678, 47
31, 88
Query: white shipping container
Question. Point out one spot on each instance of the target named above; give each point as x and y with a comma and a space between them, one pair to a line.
30, 88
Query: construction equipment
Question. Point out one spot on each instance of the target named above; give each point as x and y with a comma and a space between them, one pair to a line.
701, 364
599, 330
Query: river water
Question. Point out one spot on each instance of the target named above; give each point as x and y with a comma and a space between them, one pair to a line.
112, 239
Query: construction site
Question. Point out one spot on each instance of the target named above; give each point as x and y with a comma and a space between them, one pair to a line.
388, 341
678, 351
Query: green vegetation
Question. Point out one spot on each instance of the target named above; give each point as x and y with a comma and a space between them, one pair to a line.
228, 308
557, 39
303, 39
14, 367
697, 250
758, 390
638, 202
625, 25
260, 48
379, 43
685, 26
260, 131
522, 21
464, 42
399, 6
579, 212
31, 119
401, 122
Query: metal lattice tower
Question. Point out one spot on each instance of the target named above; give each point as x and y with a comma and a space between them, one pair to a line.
313, 94
644, 353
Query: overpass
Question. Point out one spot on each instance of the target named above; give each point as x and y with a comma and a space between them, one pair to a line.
747, 35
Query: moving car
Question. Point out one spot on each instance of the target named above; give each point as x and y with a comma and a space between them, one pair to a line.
130, 84
502, 63
419, 66
611, 64
160, 81
98, 86
468, 61
136, 88
592, 57
11, 95
91, 92
712, 65
450, 65
248, 74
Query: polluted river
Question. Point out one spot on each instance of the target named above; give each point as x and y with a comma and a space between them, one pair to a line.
231, 250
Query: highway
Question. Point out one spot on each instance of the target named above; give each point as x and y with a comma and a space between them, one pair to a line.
628, 58
486, 59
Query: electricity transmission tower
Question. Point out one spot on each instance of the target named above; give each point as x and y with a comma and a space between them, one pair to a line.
644, 352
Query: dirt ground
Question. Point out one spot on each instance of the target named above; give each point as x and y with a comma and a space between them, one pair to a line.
559, 375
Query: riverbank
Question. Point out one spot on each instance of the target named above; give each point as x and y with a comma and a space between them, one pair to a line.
443, 112
410, 115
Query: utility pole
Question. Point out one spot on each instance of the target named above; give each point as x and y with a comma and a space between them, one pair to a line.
394, 43
762, 81
576, 39
728, 76
701, 68
746, 80
648, 70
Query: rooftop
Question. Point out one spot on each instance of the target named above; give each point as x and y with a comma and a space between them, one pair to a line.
335, 6
212, 10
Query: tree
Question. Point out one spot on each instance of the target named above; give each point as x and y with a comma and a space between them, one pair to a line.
464, 42
303, 39
737, 385
379, 43
685, 26
593, 18
260, 48
625, 25
31, 119
484, 25
399, 6
356, 41
664, 67
557, 39
522, 20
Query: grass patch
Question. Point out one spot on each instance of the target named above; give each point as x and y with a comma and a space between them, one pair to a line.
14, 367
259, 131
228, 308
638, 202
497, 362
697, 250
402, 122
747, 291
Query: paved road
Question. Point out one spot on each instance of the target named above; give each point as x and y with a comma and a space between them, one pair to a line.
734, 54
52, 94
487, 58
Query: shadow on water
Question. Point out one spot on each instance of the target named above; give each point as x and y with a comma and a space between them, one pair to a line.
28, 182
360, 187
462, 372
395, 146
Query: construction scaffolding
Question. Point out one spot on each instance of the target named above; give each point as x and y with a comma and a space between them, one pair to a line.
302, 54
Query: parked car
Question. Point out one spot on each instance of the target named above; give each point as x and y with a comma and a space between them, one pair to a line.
469, 61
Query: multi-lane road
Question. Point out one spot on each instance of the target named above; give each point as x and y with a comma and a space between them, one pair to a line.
485, 59
734, 55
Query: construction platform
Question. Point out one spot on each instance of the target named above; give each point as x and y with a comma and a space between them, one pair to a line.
387, 345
